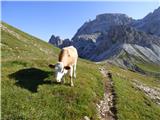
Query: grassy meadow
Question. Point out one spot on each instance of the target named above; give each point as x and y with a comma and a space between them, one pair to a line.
29, 90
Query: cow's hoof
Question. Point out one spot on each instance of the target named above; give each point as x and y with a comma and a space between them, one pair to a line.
72, 85
63, 81
58, 82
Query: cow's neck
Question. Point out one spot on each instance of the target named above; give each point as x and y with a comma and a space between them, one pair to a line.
63, 62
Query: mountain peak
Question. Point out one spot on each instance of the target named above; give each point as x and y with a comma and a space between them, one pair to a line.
103, 37
58, 42
150, 23
116, 18
153, 15
103, 23
157, 10
113, 15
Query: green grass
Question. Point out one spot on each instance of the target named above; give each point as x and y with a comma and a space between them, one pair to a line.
131, 103
147, 67
153, 68
29, 90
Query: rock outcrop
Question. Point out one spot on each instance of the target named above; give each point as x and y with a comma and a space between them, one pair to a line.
152, 93
58, 42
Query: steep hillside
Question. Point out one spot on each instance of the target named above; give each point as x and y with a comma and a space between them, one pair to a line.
29, 90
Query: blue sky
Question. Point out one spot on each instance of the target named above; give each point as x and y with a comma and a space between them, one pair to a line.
42, 19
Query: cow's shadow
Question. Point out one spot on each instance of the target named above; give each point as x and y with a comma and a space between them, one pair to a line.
31, 78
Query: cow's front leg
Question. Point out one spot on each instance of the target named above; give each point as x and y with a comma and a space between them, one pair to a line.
63, 80
74, 71
70, 75
64, 77
71, 82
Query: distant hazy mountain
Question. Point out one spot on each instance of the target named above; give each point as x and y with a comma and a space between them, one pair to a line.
120, 38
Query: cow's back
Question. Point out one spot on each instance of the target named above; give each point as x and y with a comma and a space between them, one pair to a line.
68, 55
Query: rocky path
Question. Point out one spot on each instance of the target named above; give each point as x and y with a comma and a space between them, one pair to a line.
106, 107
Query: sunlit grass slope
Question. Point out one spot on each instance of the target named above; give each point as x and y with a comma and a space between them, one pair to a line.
29, 90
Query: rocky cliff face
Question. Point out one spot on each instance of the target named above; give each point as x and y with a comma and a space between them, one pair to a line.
119, 37
102, 23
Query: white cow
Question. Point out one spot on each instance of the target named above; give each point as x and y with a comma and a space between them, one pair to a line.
67, 61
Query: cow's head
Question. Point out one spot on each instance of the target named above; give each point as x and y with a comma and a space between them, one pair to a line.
60, 70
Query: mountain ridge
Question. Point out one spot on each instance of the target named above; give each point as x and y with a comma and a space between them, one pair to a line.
96, 39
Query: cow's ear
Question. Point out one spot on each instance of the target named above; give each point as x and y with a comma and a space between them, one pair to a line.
51, 66
67, 67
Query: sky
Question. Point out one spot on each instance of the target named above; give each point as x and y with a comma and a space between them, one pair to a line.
43, 19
